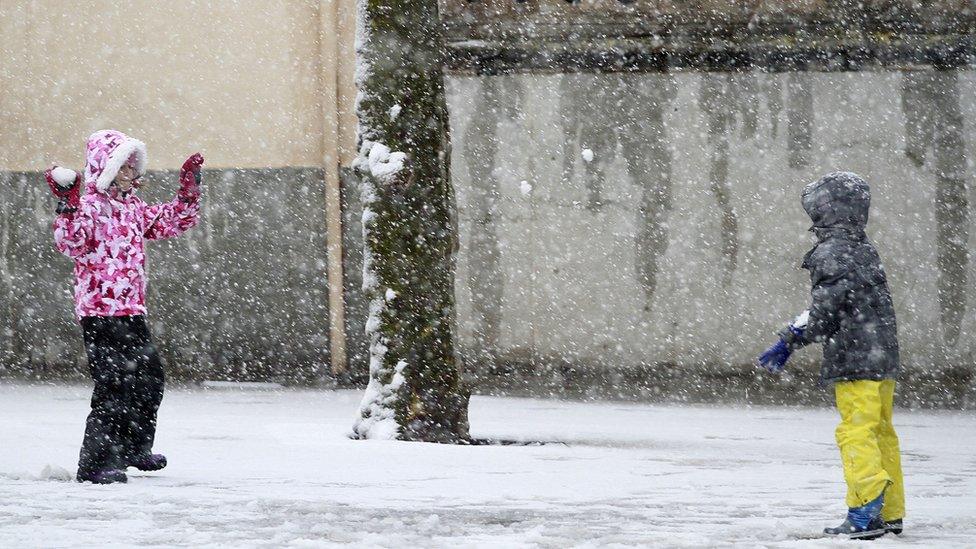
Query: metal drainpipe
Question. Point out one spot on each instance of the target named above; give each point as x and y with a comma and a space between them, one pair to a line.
328, 92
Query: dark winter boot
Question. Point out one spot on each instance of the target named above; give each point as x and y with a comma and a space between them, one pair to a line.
874, 530
862, 522
148, 462
103, 476
894, 526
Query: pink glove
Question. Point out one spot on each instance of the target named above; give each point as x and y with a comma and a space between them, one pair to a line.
66, 186
190, 178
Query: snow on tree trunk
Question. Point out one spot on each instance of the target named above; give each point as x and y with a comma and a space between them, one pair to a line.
415, 390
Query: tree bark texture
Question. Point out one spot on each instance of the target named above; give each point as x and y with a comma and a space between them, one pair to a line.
409, 226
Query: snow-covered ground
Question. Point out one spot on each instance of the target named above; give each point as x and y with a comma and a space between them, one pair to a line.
276, 469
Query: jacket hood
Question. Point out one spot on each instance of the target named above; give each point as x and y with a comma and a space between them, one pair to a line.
108, 151
838, 200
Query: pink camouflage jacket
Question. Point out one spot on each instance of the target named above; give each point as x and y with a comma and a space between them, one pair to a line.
106, 235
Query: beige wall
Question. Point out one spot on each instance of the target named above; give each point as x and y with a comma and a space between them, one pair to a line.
251, 84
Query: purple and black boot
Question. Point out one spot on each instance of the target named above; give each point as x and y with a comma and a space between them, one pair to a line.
103, 476
148, 462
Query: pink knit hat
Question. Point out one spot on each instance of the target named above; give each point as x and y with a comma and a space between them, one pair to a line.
108, 151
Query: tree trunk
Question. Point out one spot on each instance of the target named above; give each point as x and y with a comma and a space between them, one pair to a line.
415, 390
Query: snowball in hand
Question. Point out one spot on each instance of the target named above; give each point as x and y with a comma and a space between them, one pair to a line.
63, 176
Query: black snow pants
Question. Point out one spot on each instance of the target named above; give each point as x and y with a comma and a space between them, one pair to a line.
128, 376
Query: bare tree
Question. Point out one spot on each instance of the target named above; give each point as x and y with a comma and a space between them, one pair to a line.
415, 390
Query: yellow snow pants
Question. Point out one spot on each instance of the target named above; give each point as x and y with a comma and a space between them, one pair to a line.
869, 446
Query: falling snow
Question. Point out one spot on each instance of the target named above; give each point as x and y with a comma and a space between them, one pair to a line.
599, 214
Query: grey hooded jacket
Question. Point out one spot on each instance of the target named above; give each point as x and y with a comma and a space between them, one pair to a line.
851, 312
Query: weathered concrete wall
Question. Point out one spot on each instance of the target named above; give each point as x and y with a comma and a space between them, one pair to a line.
553, 36
677, 246
581, 12
241, 296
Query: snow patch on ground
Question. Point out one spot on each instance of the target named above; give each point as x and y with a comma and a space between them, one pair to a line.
276, 468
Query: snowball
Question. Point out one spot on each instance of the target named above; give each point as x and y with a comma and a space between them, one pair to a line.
390, 294
63, 176
395, 111
587, 155
525, 187
802, 320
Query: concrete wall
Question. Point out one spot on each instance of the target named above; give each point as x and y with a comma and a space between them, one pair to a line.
244, 295
562, 15
677, 246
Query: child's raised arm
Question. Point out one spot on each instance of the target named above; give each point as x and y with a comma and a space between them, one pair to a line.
72, 228
173, 218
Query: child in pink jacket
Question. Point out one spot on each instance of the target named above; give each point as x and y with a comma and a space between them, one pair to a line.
104, 230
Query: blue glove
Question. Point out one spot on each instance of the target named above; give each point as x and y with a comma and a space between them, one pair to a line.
775, 357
